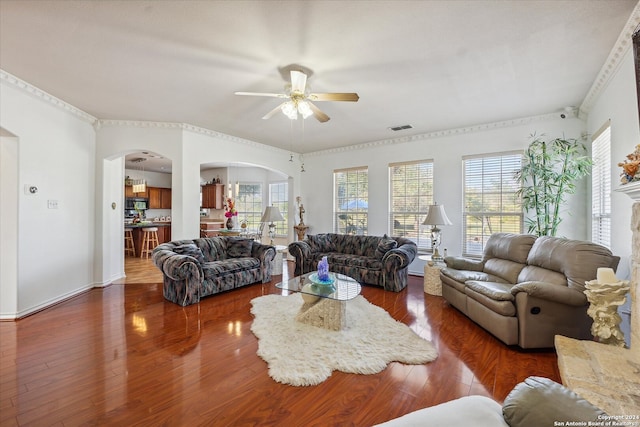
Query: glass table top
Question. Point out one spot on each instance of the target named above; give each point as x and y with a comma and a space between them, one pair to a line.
346, 288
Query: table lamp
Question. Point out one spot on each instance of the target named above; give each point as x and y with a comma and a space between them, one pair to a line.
272, 213
436, 216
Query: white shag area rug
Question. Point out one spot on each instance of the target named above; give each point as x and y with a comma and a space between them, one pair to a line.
301, 355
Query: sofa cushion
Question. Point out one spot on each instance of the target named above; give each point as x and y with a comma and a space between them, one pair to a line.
539, 401
504, 268
336, 258
213, 248
463, 276
229, 266
190, 249
495, 296
385, 245
238, 247
495, 291
577, 260
509, 246
320, 243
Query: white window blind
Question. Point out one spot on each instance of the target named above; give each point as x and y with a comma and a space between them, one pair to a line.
490, 202
411, 193
351, 200
279, 197
601, 187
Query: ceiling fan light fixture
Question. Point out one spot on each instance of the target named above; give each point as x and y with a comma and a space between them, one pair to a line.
289, 110
304, 109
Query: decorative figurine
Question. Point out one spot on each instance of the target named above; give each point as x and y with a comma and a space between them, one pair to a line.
323, 269
605, 294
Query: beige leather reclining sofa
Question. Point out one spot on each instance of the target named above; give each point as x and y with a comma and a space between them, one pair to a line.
525, 290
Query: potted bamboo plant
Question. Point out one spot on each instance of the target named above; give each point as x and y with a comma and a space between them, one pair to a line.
548, 174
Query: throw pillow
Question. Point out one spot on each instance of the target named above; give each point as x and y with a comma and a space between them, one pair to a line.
325, 243
385, 245
238, 247
190, 249
539, 401
314, 245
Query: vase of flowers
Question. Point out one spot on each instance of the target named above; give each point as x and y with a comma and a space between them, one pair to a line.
230, 213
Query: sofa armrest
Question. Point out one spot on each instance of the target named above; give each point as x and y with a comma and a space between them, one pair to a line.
401, 256
539, 401
300, 249
175, 266
551, 292
265, 253
459, 263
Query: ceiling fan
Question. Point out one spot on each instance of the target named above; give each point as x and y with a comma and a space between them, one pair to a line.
298, 99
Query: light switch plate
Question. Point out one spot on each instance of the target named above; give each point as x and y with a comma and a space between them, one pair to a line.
52, 204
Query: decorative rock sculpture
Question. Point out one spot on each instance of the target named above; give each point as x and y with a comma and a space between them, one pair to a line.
605, 294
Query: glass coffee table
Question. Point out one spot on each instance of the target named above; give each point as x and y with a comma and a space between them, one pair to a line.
323, 308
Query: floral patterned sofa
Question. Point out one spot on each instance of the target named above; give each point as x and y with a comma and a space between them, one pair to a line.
197, 268
373, 260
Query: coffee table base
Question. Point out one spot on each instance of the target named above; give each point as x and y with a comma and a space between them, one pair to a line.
324, 313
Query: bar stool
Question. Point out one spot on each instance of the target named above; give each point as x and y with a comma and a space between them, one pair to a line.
149, 241
129, 248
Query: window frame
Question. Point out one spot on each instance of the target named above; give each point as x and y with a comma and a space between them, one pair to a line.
282, 227
601, 186
251, 217
508, 163
351, 220
423, 176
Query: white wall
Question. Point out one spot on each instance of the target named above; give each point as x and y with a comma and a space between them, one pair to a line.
8, 225
56, 153
618, 102
446, 152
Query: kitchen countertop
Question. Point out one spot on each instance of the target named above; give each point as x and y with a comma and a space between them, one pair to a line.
148, 224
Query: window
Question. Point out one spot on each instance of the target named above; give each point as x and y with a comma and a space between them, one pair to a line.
411, 193
279, 197
249, 204
490, 202
601, 186
351, 200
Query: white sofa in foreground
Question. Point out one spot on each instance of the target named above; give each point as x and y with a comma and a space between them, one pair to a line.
535, 402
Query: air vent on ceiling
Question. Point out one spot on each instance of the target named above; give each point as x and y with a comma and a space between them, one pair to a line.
403, 127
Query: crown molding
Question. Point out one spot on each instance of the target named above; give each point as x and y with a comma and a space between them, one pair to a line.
442, 133
611, 65
189, 128
46, 97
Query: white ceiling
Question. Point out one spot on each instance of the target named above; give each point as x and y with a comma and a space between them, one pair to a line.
436, 65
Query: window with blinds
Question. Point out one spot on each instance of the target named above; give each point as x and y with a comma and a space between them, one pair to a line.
491, 203
351, 200
411, 193
601, 186
279, 197
249, 204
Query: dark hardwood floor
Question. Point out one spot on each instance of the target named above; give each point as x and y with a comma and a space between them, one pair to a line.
122, 355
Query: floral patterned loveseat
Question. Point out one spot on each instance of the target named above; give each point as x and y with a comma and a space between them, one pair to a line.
374, 260
197, 268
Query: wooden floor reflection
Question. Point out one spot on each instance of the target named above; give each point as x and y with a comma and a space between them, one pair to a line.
122, 355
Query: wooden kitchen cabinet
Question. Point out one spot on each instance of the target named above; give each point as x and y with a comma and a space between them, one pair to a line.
159, 198
128, 192
213, 196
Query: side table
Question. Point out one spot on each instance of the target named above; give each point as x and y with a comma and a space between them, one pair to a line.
432, 283
276, 267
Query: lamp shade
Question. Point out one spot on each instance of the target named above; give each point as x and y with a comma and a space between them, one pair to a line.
437, 216
271, 213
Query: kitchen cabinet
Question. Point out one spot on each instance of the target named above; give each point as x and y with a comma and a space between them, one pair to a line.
128, 192
159, 198
213, 196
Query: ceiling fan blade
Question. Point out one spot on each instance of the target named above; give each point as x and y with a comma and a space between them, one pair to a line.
273, 112
272, 95
298, 81
352, 97
319, 115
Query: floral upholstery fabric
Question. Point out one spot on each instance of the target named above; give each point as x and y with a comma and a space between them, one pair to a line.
372, 260
193, 269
